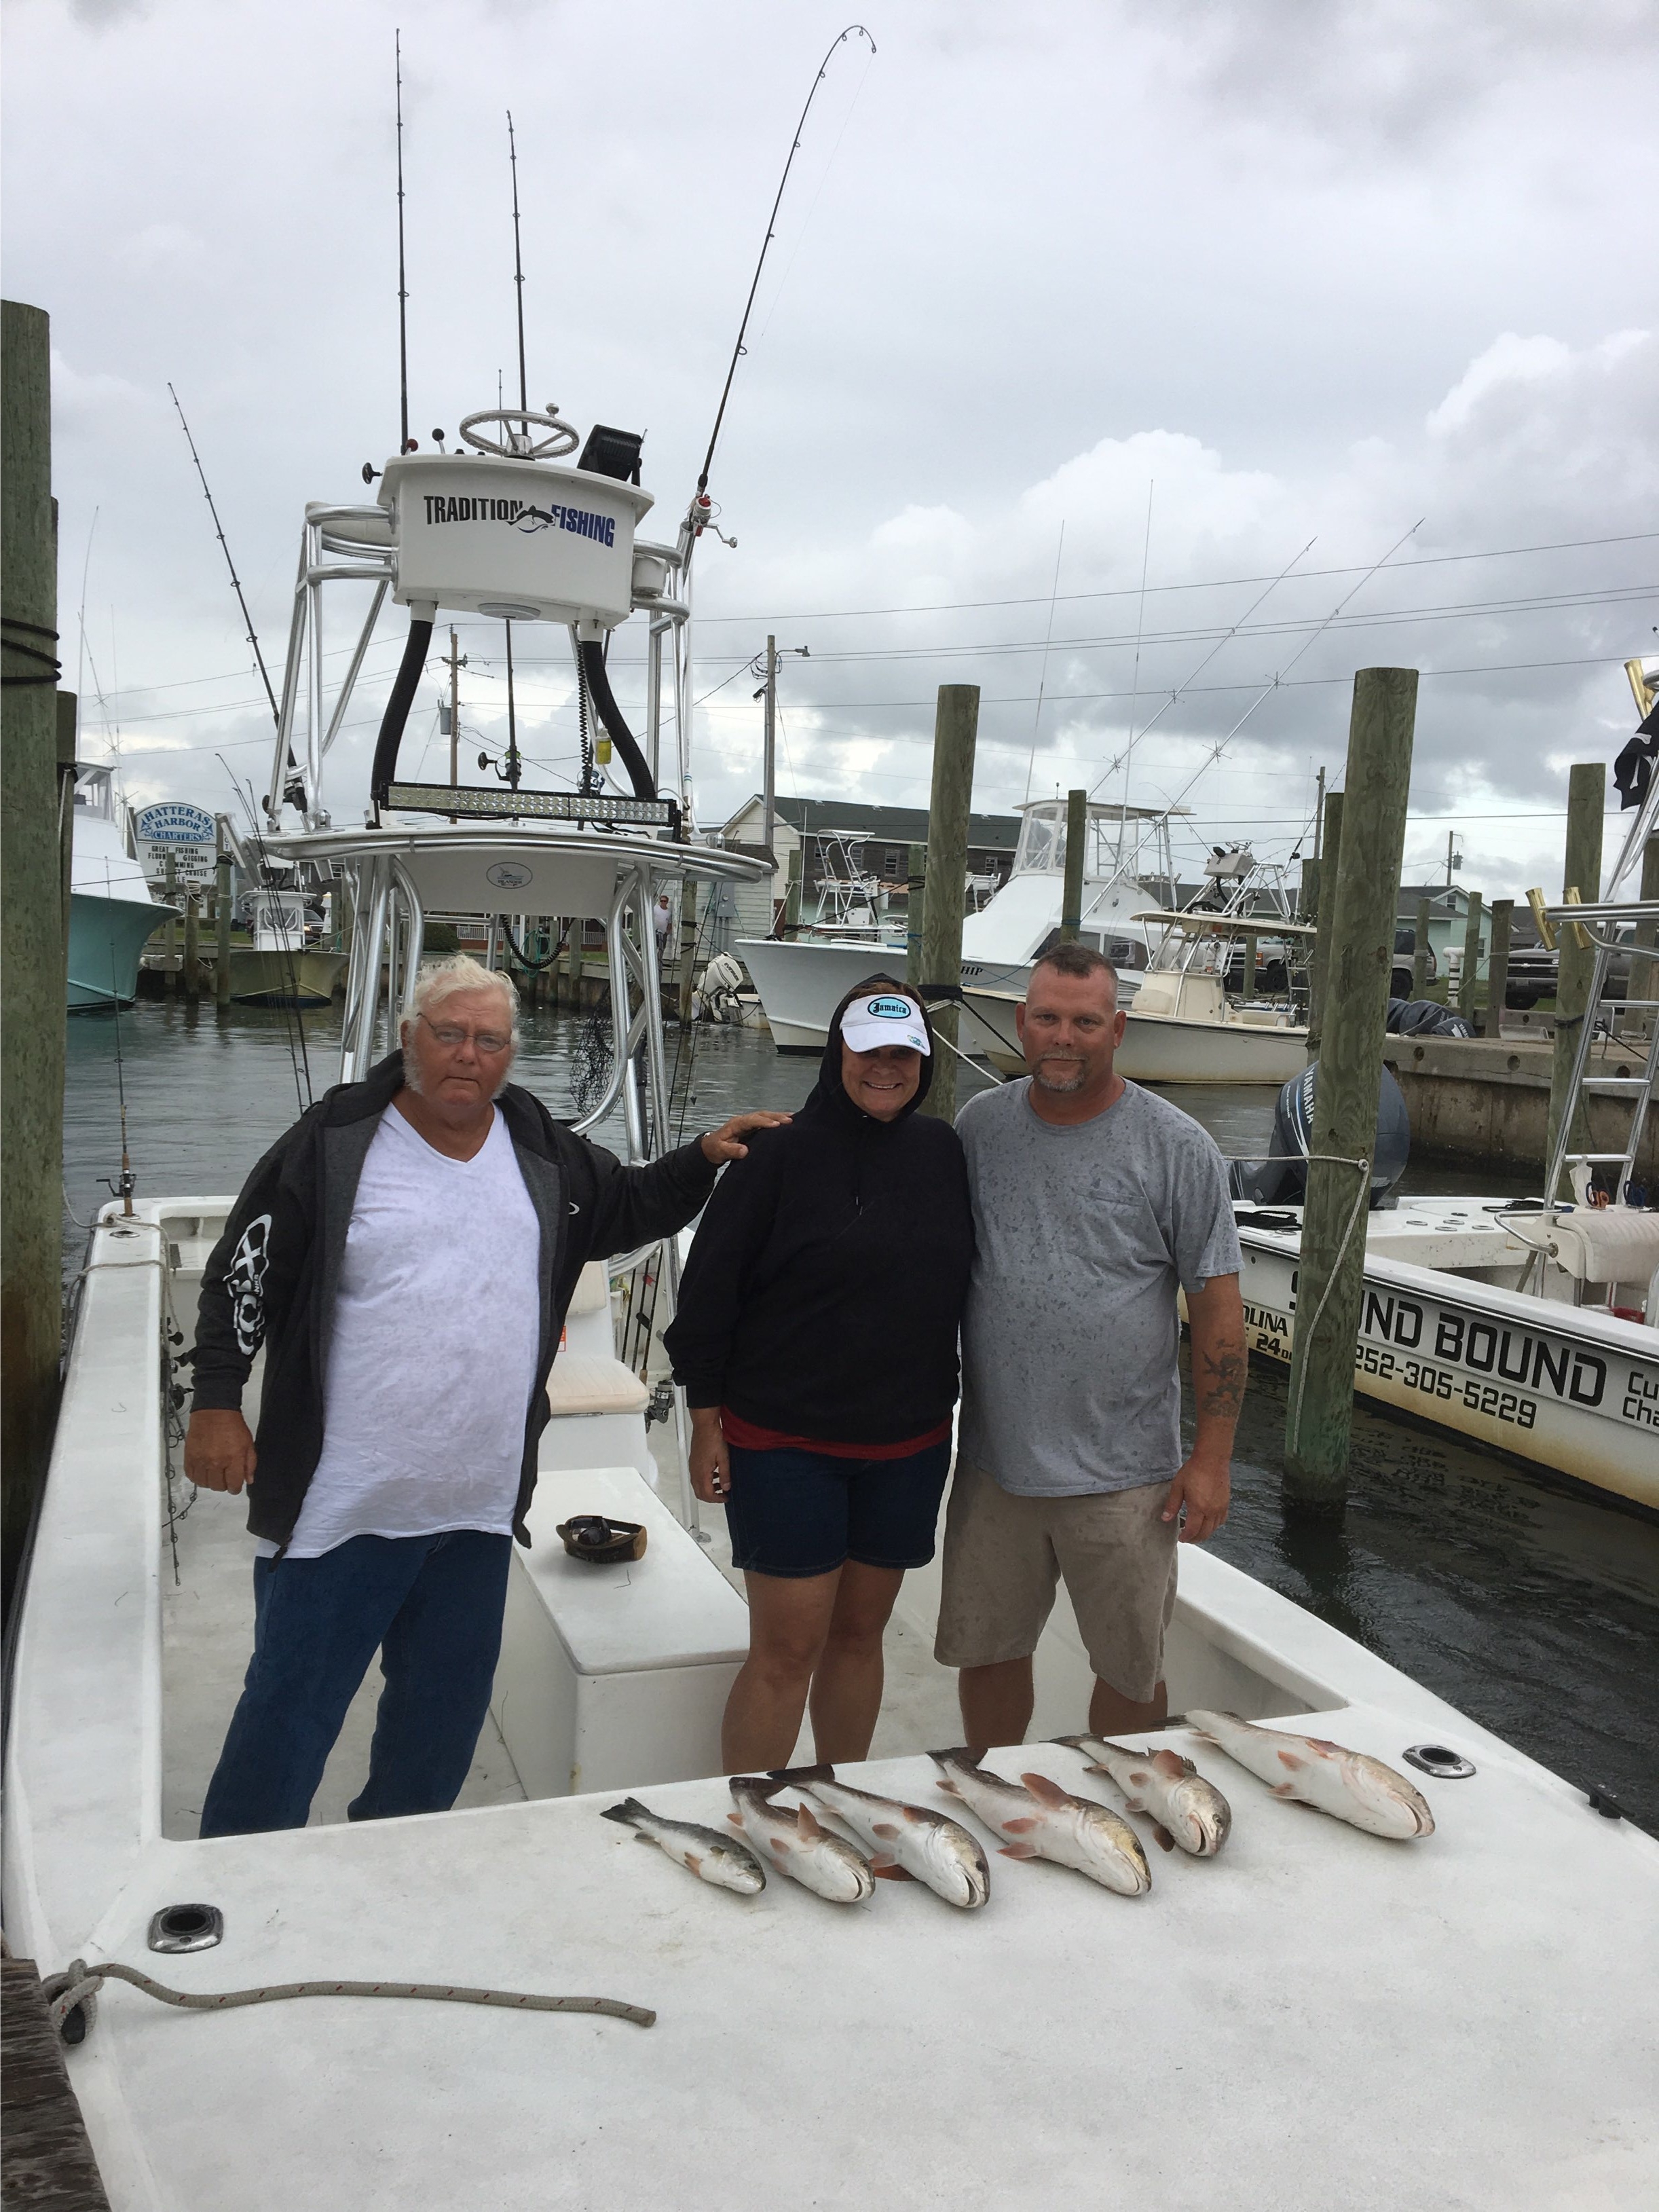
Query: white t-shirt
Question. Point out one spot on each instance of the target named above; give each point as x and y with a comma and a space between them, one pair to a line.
432, 1360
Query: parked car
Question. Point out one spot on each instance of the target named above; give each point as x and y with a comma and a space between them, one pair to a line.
1403, 977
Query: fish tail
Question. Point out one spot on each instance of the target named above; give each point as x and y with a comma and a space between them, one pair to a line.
969, 1752
797, 1776
626, 1812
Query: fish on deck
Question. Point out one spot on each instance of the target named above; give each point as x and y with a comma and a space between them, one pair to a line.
1043, 1821
794, 1841
1183, 1808
719, 1860
911, 1843
1350, 1785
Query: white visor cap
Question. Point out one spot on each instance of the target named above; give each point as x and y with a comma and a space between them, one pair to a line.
884, 1018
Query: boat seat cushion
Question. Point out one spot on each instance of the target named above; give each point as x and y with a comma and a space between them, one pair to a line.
1606, 1244
592, 1292
588, 1383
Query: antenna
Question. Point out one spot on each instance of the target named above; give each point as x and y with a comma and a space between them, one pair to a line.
402, 288
235, 580
518, 265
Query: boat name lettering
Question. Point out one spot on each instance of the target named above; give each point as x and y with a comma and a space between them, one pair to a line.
1515, 1354
441, 508
1397, 1320
1641, 1400
1264, 1319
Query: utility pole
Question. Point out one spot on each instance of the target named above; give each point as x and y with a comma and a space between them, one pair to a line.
1363, 877
1587, 795
769, 758
31, 933
457, 662
1076, 848
1452, 855
1319, 816
222, 920
956, 729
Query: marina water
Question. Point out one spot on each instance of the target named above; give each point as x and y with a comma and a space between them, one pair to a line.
1532, 1607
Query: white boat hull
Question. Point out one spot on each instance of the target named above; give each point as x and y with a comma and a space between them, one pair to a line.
1574, 1392
1166, 1048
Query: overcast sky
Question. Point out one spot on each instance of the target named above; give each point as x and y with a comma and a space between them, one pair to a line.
1175, 295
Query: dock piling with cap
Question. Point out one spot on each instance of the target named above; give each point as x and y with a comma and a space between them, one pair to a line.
1360, 875
1077, 833
956, 729
1469, 970
1497, 967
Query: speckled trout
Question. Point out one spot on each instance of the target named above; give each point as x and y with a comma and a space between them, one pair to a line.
794, 1841
716, 1859
1183, 1808
911, 1843
1350, 1785
1043, 1821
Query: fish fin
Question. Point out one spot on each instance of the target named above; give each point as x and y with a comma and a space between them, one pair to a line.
1289, 1759
886, 1869
1320, 1743
1018, 1825
624, 1813
1163, 1835
1283, 1788
1019, 1851
736, 1818
883, 1828
693, 1862
949, 1787
639, 1837
799, 1776
1045, 1792
1134, 1804
806, 1824
1171, 1763
779, 1845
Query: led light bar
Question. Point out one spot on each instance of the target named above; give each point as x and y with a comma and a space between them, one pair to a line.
496, 802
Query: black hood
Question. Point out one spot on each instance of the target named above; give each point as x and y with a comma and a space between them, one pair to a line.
830, 1094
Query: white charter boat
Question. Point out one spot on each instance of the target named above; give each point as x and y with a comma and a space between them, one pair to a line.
801, 981
112, 912
747, 2051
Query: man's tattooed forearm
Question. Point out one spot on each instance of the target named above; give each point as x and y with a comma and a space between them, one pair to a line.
1221, 1390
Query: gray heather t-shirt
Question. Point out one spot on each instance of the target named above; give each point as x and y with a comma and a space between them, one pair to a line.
1069, 1383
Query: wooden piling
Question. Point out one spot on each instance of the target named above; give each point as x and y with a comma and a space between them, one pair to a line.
1360, 960
1420, 950
223, 902
32, 990
916, 907
68, 718
170, 933
1329, 859
1252, 948
1587, 792
956, 728
792, 883
193, 969
1076, 832
1468, 973
1497, 967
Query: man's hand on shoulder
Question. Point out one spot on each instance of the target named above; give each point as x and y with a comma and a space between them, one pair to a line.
219, 1450
1203, 1485
726, 1143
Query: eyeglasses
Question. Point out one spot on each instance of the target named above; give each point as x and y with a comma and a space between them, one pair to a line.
451, 1037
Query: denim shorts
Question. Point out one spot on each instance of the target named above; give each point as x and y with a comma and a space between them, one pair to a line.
797, 1513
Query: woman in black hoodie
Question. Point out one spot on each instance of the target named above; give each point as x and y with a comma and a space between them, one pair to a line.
816, 1341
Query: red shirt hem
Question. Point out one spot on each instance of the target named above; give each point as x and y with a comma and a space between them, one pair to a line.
748, 1435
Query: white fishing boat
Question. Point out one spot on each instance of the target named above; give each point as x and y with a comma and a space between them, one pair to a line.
1412, 1993
113, 913
801, 981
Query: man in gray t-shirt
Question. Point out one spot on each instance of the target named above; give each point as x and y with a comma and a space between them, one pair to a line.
1094, 1201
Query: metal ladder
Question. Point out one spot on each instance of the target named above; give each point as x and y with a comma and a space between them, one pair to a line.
1597, 925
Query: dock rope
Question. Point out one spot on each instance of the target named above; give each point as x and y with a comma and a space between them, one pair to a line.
1293, 1425
80, 1983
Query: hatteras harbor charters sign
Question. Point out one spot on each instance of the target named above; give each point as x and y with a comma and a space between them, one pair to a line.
174, 829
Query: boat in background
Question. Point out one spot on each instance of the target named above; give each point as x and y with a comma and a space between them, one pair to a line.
802, 980
112, 912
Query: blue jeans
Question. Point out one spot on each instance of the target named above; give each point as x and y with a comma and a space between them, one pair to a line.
434, 1607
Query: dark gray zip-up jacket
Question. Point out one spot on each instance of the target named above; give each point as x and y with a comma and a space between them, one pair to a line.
275, 1273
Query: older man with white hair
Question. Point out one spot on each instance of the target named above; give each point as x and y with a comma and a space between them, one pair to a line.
405, 1254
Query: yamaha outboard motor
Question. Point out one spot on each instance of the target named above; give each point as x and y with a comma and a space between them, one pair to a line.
1282, 1178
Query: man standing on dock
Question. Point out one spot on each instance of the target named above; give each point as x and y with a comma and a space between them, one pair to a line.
405, 1255
1093, 1199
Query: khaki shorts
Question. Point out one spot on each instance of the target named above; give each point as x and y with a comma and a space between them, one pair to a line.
1004, 1555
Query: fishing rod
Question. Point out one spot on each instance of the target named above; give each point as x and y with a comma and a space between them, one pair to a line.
518, 263
224, 547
